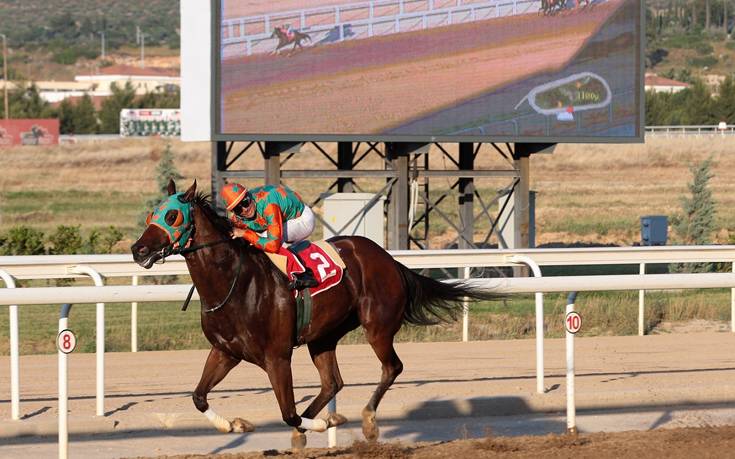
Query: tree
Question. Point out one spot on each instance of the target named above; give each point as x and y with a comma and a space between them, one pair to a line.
165, 171
110, 112
698, 221
27, 103
85, 116
66, 117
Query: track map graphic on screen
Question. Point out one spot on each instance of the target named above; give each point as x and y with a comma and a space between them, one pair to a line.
537, 70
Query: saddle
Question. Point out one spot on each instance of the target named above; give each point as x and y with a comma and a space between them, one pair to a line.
328, 268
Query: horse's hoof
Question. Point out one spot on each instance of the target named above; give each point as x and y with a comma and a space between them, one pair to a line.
369, 427
335, 420
298, 440
241, 426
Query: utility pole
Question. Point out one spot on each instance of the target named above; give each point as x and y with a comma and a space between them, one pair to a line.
5, 74
140, 39
102, 37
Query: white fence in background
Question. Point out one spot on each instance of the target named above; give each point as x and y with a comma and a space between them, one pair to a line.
333, 24
693, 130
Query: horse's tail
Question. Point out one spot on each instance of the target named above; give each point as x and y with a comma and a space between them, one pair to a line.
430, 302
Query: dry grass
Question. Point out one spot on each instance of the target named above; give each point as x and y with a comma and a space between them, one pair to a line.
586, 193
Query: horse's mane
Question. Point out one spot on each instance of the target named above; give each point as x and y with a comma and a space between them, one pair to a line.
204, 201
224, 226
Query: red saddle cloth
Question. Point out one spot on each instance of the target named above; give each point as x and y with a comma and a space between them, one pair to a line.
328, 272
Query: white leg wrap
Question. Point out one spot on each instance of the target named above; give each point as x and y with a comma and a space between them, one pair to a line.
222, 424
317, 425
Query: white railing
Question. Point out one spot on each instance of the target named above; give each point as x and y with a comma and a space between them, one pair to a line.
363, 20
61, 266
697, 130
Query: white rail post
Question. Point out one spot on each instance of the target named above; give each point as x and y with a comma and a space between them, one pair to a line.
332, 431
466, 310
63, 389
100, 337
134, 321
641, 304
14, 353
571, 406
539, 321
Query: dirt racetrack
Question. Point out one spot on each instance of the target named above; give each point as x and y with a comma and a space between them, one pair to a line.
704, 442
373, 85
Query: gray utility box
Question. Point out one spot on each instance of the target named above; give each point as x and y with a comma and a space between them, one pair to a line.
654, 230
348, 215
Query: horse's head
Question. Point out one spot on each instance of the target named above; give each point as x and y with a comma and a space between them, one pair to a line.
168, 227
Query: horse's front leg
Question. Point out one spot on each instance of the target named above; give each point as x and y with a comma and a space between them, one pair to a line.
217, 366
279, 373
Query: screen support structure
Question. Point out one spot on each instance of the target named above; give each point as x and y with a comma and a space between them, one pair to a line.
407, 176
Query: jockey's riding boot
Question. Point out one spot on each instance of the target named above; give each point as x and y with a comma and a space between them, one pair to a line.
303, 280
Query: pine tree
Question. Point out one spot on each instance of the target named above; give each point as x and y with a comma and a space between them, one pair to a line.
699, 209
695, 226
85, 116
110, 112
165, 171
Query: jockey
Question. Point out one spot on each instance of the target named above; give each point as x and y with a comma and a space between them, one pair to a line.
289, 31
268, 216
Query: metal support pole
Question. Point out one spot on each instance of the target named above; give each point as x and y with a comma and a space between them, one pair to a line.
272, 158
466, 196
539, 321
466, 309
571, 405
5, 75
397, 154
100, 337
641, 304
63, 389
344, 163
332, 431
14, 354
219, 165
134, 321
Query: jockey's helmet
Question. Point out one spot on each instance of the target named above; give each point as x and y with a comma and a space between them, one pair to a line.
232, 194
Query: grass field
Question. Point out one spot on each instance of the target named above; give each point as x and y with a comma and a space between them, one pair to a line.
588, 194
163, 326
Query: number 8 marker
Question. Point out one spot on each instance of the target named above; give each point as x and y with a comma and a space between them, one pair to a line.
66, 342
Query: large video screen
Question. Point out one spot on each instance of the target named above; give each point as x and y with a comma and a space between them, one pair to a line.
451, 70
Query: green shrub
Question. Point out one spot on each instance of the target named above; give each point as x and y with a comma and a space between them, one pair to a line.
103, 240
704, 48
705, 61
22, 240
730, 45
66, 240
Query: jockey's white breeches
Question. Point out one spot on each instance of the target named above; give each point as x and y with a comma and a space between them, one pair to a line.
299, 228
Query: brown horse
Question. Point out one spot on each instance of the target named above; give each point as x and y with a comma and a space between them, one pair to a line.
248, 313
285, 39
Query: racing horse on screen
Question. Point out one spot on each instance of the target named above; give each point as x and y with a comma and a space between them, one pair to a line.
287, 36
248, 313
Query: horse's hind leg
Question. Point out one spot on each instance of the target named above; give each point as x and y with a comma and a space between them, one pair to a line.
217, 366
382, 343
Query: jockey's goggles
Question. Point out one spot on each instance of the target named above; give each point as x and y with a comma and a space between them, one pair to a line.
245, 202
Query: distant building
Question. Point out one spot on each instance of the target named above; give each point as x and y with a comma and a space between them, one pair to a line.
149, 79
656, 83
143, 79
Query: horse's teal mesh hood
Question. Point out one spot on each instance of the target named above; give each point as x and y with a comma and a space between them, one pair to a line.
181, 228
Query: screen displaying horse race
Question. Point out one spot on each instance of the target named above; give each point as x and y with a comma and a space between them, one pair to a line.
482, 70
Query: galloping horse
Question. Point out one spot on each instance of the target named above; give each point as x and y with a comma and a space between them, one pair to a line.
286, 38
248, 313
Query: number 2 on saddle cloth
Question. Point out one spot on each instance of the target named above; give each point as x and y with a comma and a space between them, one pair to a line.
327, 271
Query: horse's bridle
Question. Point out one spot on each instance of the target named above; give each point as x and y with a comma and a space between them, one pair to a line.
174, 248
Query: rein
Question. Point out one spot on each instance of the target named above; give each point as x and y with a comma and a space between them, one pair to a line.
194, 248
